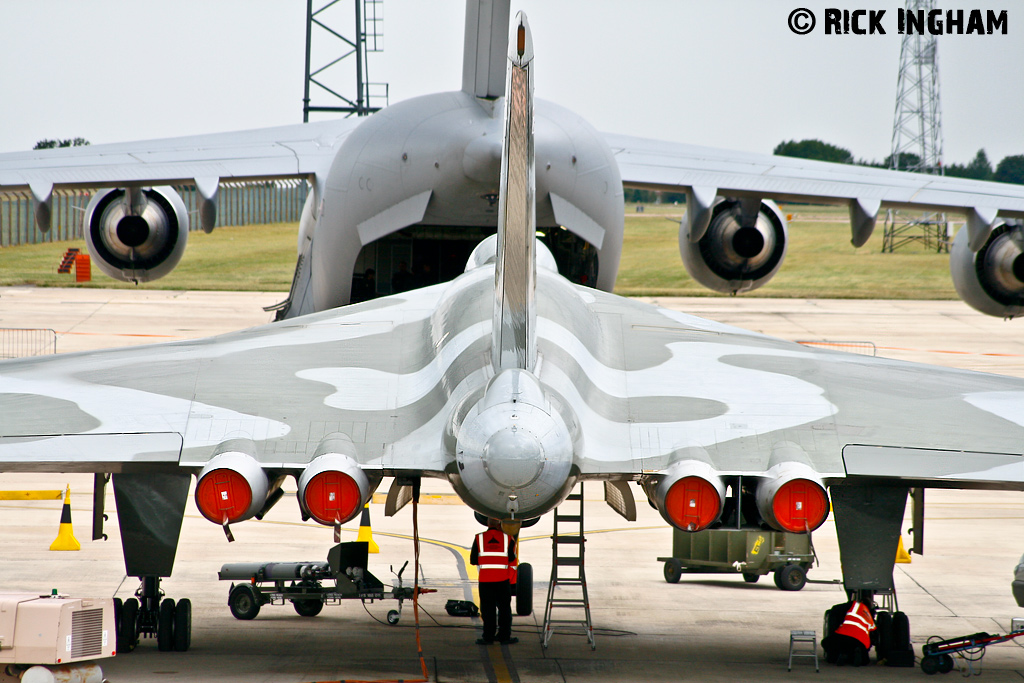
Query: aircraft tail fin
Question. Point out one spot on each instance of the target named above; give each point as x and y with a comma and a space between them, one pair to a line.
514, 339
483, 57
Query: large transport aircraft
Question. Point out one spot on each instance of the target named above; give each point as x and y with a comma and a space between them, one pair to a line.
514, 380
417, 182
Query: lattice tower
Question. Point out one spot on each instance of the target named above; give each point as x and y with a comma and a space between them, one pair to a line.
917, 130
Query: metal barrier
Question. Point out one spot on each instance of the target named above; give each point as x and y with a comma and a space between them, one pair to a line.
23, 342
272, 201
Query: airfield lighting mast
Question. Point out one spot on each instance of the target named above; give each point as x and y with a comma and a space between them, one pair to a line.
917, 135
368, 38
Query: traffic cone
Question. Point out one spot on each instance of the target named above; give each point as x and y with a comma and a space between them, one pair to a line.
365, 532
66, 537
902, 556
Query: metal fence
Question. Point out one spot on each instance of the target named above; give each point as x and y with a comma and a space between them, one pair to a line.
274, 201
20, 343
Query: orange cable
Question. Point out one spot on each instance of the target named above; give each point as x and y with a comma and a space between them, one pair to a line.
415, 607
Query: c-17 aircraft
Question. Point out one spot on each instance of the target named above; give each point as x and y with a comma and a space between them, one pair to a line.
513, 381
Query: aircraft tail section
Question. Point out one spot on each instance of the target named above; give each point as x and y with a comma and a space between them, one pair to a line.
514, 343
483, 58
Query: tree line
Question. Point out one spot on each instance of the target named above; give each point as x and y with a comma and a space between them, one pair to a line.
52, 144
1009, 170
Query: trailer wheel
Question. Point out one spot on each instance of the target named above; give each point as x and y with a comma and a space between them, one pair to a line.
393, 617
308, 608
792, 577
751, 578
945, 663
165, 626
524, 590
673, 571
930, 664
243, 603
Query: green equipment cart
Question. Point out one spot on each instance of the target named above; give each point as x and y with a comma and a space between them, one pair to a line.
750, 552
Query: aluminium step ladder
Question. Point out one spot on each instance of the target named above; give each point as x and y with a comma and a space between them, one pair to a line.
567, 574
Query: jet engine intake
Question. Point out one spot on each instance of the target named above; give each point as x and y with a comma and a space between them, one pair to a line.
232, 487
991, 280
737, 253
689, 496
792, 498
333, 489
136, 235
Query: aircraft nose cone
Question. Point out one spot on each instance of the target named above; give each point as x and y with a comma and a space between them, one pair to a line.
513, 457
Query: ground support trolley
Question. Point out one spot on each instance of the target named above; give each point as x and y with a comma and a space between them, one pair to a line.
311, 585
937, 655
751, 552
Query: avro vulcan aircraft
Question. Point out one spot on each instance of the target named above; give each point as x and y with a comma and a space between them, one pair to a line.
521, 375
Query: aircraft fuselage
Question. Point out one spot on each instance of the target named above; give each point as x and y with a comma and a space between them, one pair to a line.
443, 151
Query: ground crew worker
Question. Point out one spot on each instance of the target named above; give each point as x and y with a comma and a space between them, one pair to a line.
852, 640
493, 552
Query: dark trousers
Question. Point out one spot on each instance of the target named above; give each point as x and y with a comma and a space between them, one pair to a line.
496, 600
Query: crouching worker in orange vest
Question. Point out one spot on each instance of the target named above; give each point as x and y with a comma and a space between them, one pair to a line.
849, 643
493, 553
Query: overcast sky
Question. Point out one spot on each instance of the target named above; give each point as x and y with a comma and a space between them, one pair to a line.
727, 74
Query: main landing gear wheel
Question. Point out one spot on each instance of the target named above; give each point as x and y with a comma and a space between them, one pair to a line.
165, 626
127, 632
243, 602
883, 629
183, 625
524, 590
393, 617
673, 571
792, 577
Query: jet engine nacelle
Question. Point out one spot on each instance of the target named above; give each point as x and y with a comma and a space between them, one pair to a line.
732, 257
333, 488
136, 235
991, 280
232, 486
792, 498
689, 496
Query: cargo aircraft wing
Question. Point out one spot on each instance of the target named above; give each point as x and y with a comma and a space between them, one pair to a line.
426, 169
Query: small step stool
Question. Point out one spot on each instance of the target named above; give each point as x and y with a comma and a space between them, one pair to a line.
803, 644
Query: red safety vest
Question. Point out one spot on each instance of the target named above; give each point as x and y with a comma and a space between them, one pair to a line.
858, 624
492, 555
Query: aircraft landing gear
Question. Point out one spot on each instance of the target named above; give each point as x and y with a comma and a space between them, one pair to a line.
147, 616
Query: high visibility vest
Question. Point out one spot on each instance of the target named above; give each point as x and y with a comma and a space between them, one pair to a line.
492, 555
858, 624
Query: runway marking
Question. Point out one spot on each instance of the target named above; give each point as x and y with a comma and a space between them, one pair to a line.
910, 350
31, 495
122, 334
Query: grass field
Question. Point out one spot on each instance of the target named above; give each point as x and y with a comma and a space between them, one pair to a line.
820, 263
238, 258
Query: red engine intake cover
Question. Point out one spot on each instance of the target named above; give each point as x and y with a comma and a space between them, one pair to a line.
692, 503
800, 505
332, 497
223, 494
